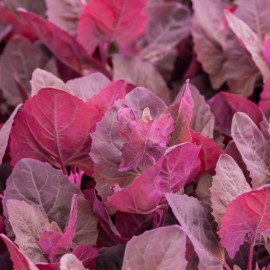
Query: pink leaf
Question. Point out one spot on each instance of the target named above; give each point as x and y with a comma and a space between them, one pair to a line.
107, 143
121, 21
131, 71
107, 96
265, 97
20, 261
5, 131
251, 42
196, 221
253, 147
142, 252
146, 139
179, 165
228, 183
62, 124
86, 254
246, 216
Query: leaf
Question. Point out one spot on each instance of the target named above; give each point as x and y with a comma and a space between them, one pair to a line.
64, 14
28, 221
20, 261
142, 252
245, 216
5, 132
145, 138
253, 147
250, 40
181, 112
70, 262
224, 105
44, 79
176, 168
228, 183
208, 35
107, 144
88, 86
121, 21
60, 43
54, 126
131, 71
38, 183
19, 59
264, 103
196, 221
167, 25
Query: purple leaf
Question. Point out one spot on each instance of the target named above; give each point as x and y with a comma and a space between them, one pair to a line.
253, 147
228, 183
142, 252
196, 221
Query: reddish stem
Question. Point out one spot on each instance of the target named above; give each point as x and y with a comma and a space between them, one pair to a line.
250, 255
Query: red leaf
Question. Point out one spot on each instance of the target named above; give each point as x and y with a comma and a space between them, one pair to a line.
20, 261
265, 97
122, 21
247, 215
54, 126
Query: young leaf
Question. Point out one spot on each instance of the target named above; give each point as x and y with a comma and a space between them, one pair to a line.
107, 143
246, 216
5, 131
196, 221
54, 126
142, 252
228, 183
253, 147
131, 71
20, 261
251, 41
28, 221
121, 21
70, 262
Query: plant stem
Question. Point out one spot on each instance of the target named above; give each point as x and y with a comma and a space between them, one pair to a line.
250, 255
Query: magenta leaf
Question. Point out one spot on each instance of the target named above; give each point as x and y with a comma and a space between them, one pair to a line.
142, 252
265, 97
169, 174
228, 183
196, 221
20, 261
85, 253
122, 21
246, 216
62, 124
253, 147
131, 71
145, 138
107, 143
5, 131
